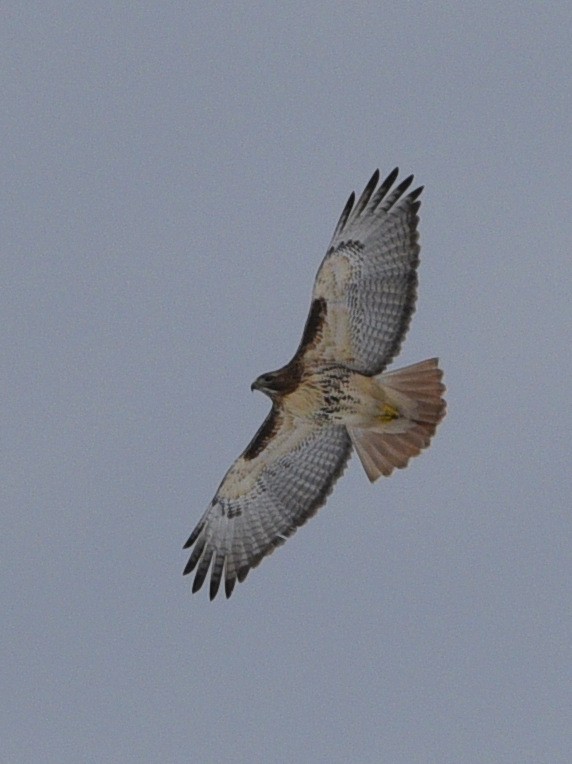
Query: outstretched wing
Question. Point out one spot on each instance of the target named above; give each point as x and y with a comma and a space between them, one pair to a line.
283, 477
365, 289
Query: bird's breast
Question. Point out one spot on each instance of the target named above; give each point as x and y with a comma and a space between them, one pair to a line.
305, 402
325, 396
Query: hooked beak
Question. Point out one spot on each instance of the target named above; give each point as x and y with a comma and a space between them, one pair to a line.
257, 384
263, 384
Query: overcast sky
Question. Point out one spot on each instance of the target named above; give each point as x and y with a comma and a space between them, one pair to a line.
172, 173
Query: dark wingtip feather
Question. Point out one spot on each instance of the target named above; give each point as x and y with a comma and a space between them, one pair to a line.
193, 537
391, 199
366, 194
350, 202
189, 567
214, 586
216, 574
384, 188
390, 180
203, 569
415, 194
374, 180
195, 556
345, 213
229, 586
404, 185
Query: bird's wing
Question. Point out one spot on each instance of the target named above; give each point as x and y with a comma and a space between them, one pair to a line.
365, 289
282, 478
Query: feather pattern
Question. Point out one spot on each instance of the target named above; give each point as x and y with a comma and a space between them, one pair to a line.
368, 279
262, 501
329, 395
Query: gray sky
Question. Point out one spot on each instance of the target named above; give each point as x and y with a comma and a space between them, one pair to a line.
172, 173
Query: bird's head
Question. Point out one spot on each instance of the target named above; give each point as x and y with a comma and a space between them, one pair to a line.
273, 383
266, 383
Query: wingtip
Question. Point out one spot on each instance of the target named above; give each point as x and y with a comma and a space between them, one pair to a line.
229, 586
416, 193
345, 213
194, 536
390, 180
213, 588
404, 185
192, 563
374, 180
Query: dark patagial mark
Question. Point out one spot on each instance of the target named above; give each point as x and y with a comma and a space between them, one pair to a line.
264, 434
314, 323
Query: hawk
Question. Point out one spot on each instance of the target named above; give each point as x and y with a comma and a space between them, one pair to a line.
334, 395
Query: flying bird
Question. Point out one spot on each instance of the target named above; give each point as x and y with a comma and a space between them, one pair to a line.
334, 395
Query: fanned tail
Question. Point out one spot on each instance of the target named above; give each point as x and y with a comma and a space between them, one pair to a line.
413, 407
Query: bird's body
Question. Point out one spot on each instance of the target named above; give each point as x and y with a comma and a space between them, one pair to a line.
333, 394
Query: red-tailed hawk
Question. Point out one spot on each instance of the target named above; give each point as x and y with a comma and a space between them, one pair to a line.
334, 394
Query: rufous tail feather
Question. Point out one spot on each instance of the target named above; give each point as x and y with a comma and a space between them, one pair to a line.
412, 408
